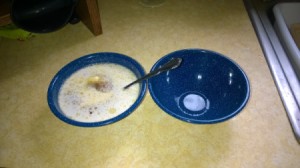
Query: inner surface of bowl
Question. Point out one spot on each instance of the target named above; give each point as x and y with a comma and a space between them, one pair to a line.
206, 88
86, 61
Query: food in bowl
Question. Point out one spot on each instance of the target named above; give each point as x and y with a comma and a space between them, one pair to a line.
95, 93
88, 91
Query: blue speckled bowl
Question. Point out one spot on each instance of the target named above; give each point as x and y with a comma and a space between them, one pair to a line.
206, 88
84, 61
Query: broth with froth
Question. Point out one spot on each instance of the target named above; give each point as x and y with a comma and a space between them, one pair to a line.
95, 93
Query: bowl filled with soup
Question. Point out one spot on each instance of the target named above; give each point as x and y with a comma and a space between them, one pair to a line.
88, 91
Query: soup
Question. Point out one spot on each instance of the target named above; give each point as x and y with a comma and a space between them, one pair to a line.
95, 93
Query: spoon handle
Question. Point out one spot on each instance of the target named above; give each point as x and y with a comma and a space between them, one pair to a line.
173, 63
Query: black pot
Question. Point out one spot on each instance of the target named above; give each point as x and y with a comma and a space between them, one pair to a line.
42, 16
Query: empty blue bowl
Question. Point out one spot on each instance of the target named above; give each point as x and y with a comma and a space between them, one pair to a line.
206, 88
69, 69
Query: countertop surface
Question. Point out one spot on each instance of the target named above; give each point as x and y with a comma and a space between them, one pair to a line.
31, 136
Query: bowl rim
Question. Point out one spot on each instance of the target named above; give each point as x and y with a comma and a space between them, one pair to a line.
140, 98
197, 121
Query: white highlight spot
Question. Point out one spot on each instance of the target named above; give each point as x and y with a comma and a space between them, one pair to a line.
194, 102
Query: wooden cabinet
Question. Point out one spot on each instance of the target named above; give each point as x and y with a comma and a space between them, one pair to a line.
87, 10
4, 12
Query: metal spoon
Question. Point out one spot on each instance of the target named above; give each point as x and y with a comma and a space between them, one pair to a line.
172, 64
